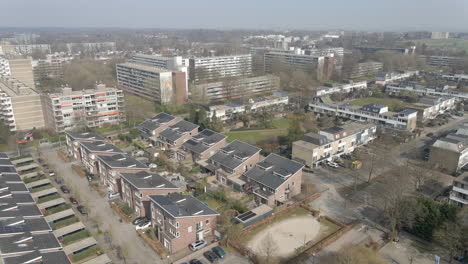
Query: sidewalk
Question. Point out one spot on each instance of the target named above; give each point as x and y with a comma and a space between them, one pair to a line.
122, 234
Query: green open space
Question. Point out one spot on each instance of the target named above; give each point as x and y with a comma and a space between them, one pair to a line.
68, 239
252, 136
46, 198
42, 187
91, 251
65, 222
58, 208
461, 44
393, 104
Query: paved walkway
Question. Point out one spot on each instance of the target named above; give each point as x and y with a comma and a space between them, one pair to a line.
122, 234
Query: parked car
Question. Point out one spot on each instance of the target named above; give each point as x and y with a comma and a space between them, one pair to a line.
219, 252
195, 261
51, 173
143, 225
333, 164
139, 220
114, 195
64, 189
210, 256
40, 160
199, 244
45, 166
152, 166
430, 134
90, 177
58, 180
73, 200
81, 209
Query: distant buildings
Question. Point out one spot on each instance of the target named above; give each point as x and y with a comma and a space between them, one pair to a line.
414, 87
372, 50
441, 61
333, 142
459, 193
24, 49
92, 108
440, 35
379, 114
331, 88
21, 107
90, 47
208, 69
367, 68
159, 85
242, 87
52, 68
384, 78
431, 107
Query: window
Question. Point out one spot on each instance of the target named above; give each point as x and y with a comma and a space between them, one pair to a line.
177, 234
177, 224
207, 221
189, 229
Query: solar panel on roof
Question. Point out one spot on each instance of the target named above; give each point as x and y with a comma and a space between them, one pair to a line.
246, 216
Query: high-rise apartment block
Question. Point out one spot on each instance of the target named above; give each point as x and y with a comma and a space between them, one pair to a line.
18, 67
367, 68
20, 106
208, 69
52, 68
92, 108
159, 85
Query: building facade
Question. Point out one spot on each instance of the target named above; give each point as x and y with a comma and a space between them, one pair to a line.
91, 149
21, 107
367, 68
338, 88
331, 143
174, 136
73, 140
159, 85
208, 69
150, 128
384, 78
450, 153
318, 65
91, 108
459, 193
430, 107
201, 146
413, 87
181, 220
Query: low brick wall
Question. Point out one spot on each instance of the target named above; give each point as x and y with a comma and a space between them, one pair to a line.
78, 170
122, 215
157, 247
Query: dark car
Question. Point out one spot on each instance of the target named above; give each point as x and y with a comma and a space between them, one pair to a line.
195, 261
219, 252
58, 180
82, 210
210, 256
90, 177
73, 200
64, 189
40, 160
139, 220
45, 166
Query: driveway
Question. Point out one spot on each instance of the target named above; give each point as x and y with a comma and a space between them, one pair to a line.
102, 221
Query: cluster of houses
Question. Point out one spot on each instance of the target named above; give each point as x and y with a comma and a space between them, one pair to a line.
181, 219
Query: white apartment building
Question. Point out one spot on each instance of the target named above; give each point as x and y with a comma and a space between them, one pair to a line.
92, 108
378, 114
459, 193
440, 35
331, 143
384, 78
242, 87
340, 88
430, 107
18, 67
20, 106
91, 46
440, 61
4, 66
231, 110
306, 63
159, 85
412, 87
367, 68
207, 69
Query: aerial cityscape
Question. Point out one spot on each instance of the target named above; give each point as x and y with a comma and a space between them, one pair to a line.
234, 133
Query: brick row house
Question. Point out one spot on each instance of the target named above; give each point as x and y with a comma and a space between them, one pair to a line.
181, 220
91, 150
274, 180
137, 187
73, 140
151, 127
174, 136
201, 146
231, 161
111, 167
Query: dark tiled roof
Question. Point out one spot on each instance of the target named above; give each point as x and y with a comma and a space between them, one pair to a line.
13, 210
10, 177
122, 161
273, 171
5, 162
3, 155
84, 135
203, 141
234, 154
333, 130
101, 146
156, 121
7, 170
176, 131
28, 242
179, 205
146, 180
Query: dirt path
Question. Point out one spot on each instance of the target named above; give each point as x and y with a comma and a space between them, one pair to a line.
121, 234
287, 235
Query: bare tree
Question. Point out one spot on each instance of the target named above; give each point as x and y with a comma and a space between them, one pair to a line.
268, 250
419, 174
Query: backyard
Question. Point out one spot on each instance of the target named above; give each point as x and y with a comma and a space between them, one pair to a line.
279, 128
393, 104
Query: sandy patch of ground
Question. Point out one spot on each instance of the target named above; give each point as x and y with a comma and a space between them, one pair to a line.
288, 235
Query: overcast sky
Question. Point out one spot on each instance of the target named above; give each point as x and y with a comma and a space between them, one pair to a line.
379, 15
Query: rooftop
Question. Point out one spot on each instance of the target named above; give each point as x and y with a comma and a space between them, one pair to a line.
14, 88
203, 141
156, 121
273, 171
122, 161
177, 130
84, 135
179, 205
143, 67
145, 180
101, 146
234, 154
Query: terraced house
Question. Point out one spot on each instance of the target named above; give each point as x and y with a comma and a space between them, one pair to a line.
181, 220
174, 136
139, 186
151, 127
201, 146
91, 150
73, 140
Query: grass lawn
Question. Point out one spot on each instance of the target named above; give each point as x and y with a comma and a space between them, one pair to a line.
33, 179
68, 239
252, 137
392, 103
91, 251
65, 222
364, 78
282, 123
48, 198
42, 187
58, 208
461, 44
